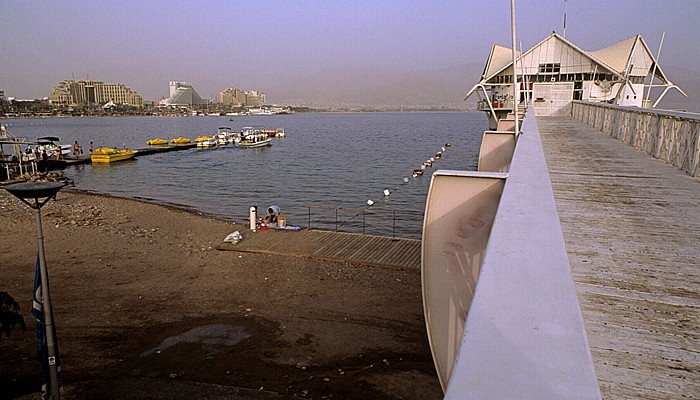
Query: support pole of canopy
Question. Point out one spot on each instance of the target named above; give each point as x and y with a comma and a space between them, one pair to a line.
656, 63
493, 112
515, 72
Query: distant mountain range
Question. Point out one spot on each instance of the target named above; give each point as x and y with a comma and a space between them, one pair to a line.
380, 88
447, 87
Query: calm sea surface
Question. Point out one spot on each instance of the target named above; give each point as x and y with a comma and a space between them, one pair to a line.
338, 160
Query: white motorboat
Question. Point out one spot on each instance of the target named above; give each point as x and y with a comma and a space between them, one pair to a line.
225, 136
253, 137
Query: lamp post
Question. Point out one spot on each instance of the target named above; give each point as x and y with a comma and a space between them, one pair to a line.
41, 193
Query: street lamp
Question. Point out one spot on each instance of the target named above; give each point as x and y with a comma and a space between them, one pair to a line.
45, 191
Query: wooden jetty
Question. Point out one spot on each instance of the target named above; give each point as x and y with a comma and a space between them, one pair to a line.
632, 230
85, 159
336, 246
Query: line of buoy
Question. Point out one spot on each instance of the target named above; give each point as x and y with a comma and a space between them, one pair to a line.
416, 172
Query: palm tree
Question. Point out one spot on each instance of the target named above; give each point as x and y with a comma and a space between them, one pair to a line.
9, 315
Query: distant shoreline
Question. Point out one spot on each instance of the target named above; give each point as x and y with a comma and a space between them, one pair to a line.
302, 111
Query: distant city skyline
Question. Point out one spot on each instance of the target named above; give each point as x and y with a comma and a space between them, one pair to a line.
313, 51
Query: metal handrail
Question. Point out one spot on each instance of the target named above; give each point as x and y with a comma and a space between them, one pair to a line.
356, 211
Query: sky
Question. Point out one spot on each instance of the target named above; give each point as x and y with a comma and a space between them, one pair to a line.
277, 46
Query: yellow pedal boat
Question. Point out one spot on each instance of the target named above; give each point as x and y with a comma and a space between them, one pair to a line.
205, 141
180, 140
110, 155
157, 142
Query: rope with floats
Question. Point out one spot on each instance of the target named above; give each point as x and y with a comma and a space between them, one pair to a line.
415, 173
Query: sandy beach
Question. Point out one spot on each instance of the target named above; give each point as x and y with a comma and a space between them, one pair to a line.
146, 307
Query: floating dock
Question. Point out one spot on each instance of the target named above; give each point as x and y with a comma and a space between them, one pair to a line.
85, 159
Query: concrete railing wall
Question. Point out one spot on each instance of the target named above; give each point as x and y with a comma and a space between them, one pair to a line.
673, 137
511, 303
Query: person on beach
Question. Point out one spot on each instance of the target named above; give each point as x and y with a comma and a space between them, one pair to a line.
91, 147
76, 149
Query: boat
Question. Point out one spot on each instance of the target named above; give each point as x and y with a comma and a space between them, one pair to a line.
254, 136
180, 140
156, 142
225, 136
279, 132
261, 111
110, 155
54, 150
205, 141
258, 140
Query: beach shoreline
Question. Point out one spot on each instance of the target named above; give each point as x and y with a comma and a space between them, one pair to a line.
130, 276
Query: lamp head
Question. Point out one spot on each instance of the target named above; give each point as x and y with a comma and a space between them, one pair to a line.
34, 190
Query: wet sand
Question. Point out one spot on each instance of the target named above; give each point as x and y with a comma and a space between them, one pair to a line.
146, 307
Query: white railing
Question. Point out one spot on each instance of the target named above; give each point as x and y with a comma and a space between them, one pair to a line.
506, 321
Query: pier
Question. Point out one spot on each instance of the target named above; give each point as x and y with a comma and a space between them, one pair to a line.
631, 224
85, 159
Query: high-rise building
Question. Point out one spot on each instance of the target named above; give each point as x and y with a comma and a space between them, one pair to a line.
74, 93
183, 94
237, 97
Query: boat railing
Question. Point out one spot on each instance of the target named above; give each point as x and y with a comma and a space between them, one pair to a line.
367, 220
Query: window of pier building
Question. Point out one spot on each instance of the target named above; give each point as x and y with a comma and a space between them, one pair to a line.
550, 68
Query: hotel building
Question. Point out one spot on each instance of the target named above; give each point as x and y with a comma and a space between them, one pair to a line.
74, 93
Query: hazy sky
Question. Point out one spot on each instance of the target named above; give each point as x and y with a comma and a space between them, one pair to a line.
261, 44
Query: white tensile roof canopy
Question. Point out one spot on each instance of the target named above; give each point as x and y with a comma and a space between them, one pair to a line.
630, 57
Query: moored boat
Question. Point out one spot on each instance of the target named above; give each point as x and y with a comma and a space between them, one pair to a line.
156, 142
55, 150
252, 137
180, 140
225, 136
205, 141
110, 155
253, 141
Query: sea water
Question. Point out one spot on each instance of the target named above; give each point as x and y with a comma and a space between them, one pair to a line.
327, 159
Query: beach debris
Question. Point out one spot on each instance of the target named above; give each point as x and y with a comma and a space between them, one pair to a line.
234, 237
370, 202
386, 192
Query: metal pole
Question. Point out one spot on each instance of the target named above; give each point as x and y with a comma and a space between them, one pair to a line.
656, 63
515, 72
564, 19
46, 300
393, 233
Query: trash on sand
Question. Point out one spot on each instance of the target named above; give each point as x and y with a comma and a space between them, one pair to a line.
234, 237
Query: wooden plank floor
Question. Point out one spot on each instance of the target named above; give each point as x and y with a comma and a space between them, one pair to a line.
632, 230
336, 246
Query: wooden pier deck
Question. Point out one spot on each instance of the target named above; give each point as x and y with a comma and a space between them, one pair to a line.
335, 246
632, 230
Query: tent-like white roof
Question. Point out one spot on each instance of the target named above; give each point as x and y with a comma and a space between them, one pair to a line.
627, 57
499, 58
